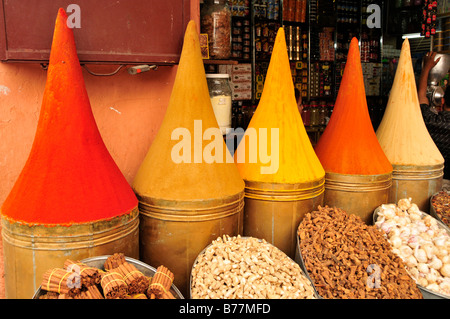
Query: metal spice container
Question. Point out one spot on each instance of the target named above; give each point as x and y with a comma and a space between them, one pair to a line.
272, 211
216, 22
419, 182
32, 249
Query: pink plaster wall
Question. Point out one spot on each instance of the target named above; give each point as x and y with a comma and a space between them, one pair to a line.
128, 110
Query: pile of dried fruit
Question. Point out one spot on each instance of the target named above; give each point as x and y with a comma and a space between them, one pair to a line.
345, 258
441, 204
247, 268
421, 242
118, 279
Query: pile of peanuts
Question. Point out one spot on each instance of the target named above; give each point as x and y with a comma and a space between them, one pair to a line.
247, 268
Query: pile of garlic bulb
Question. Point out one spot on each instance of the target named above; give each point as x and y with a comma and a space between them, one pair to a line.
421, 242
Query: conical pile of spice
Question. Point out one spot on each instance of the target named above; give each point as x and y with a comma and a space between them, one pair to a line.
358, 173
418, 164
70, 190
283, 177
188, 186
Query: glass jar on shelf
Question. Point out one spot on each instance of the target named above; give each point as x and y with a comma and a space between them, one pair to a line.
216, 22
220, 94
314, 116
323, 113
306, 115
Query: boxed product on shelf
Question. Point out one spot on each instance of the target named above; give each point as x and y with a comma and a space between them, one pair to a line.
240, 79
240, 38
242, 94
240, 86
266, 9
239, 8
372, 78
241, 68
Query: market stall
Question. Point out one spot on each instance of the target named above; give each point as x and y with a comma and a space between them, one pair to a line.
310, 195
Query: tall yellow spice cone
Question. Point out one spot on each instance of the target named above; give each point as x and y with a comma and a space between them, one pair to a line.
418, 164
188, 186
283, 177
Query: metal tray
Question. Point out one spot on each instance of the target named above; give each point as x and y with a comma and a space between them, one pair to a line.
432, 209
99, 261
426, 293
299, 260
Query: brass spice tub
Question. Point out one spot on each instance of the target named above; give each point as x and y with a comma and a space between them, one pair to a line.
357, 194
273, 211
173, 233
30, 250
416, 182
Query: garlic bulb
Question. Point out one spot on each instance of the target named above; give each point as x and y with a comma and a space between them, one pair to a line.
423, 268
420, 255
414, 210
445, 270
394, 232
422, 281
440, 241
405, 251
445, 286
435, 263
413, 241
442, 252
431, 278
410, 261
404, 203
429, 221
388, 212
433, 287
420, 241
396, 241
414, 273
429, 250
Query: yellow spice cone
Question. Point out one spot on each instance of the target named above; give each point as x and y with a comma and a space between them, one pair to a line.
189, 189
417, 162
284, 178
277, 109
159, 175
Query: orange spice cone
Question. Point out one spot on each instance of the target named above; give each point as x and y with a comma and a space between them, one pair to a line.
70, 192
190, 192
358, 173
418, 164
279, 191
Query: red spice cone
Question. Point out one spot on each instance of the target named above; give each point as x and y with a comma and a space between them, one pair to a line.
349, 144
69, 176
